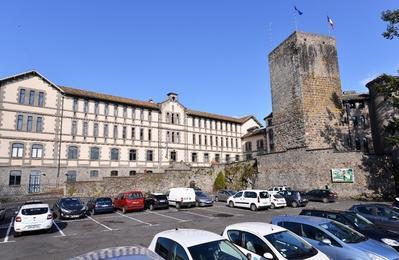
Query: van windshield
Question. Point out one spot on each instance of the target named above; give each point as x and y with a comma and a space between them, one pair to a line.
263, 195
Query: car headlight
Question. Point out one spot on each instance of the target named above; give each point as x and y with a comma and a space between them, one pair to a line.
375, 257
65, 211
390, 242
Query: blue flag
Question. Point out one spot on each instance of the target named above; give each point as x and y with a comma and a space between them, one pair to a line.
298, 11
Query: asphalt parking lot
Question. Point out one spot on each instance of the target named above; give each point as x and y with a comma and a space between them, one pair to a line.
70, 238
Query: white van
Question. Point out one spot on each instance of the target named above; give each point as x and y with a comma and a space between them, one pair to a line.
181, 197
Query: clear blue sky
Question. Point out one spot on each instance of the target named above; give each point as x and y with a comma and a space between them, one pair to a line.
213, 53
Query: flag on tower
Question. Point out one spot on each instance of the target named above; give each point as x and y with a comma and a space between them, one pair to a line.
297, 10
330, 22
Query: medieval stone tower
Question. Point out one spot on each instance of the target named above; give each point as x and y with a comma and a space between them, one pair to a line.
306, 91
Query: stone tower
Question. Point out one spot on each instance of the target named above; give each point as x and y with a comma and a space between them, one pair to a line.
306, 91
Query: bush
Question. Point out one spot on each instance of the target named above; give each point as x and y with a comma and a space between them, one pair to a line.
220, 182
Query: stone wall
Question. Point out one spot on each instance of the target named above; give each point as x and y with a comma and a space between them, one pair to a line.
310, 169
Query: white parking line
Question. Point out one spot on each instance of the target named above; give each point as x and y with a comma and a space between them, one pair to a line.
135, 219
166, 216
59, 229
196, 214
110, 229
8, 231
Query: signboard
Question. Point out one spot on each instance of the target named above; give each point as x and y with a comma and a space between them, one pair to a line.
342, 175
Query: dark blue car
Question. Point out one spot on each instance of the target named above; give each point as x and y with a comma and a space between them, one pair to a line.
380, 214
100, 205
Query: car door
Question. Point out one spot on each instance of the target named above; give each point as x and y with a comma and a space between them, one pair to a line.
249, 198
237, 199
255, 246
315, 236
370, 213
118, 201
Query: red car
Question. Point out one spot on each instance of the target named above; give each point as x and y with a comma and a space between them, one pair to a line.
131, 200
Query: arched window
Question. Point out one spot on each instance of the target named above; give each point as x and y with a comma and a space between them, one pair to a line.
114, 173
17, 150
37, 151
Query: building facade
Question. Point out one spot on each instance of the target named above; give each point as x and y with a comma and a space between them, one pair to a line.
50, 134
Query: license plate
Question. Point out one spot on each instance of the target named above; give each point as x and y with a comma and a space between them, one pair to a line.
75, 216
162, 201
104, 206
32, 226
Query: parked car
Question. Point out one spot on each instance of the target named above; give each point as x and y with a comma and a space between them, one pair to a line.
181, 197
134, 252
69, 207
322, 195
156, 201
277, 201
276, 189
194, 244
252, 199
395, 203
294, 198
358, 223
336, 240
380, 214
100, 205
257, 239
202, 199
223, 195
128, 201
2, 212
32, 218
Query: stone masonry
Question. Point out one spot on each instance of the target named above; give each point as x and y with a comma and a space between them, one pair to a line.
306, 91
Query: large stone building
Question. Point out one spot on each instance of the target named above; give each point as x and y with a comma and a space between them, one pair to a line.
50, 134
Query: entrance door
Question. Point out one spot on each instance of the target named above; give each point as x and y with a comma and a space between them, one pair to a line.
34, 182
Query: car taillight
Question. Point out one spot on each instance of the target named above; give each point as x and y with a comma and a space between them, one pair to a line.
258, 199
49, 216
18, 219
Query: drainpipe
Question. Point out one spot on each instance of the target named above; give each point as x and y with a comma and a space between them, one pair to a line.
60, 142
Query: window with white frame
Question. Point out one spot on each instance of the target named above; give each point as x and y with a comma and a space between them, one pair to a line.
149, 155
72, 152
114, 154
20, 121
17, 150
37, 151
94, 153
32, 97
15, 178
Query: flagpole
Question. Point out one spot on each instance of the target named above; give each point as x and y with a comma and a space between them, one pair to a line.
295, 22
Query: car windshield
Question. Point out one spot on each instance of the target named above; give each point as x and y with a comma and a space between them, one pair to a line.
104, 201
290, 246
263, 194
344, 233
358, 220
135, 195
231, 192
200, 194
70, 202
216, 250
34, 211
161, 197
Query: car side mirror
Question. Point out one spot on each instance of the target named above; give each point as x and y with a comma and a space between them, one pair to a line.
268, 256
326, 241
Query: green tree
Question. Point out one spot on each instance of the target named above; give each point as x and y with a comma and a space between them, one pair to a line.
220, 182
392, 18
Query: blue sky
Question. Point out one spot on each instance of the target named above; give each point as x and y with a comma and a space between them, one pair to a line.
213, 53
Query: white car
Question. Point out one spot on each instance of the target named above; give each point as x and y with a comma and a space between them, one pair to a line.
276, 189
277, 201
33, 217
252, 199
194, 244
181, 197
262, 240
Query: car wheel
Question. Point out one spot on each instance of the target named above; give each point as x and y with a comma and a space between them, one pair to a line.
253, 207
17, 234
50, 230
124, 210
294, 204
216, 199
177, 205
272, 206
325, 200
231, 204
151, 207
